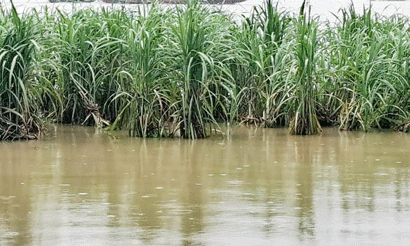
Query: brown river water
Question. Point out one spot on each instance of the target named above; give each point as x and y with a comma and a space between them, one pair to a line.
81, 186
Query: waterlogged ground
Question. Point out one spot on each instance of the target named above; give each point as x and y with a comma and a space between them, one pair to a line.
79, 186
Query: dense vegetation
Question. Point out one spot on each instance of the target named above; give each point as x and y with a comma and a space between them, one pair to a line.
166, 72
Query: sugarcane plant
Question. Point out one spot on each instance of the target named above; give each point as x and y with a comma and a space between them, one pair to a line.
18, 107
303, 106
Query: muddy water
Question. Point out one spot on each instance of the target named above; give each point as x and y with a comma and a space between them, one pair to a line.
78, 186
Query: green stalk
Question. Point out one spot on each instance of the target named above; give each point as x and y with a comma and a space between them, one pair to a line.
305, 120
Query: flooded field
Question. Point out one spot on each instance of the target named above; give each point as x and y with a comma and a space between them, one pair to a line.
80, 186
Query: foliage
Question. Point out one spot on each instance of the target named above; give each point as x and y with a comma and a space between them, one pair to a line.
182, 70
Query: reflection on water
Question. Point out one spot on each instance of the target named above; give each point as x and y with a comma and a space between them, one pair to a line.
304, 190
81, 186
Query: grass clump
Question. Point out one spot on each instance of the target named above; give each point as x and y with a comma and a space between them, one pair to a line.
18, 105
261, 67
366, 59
303, 106
146, 102
199, 75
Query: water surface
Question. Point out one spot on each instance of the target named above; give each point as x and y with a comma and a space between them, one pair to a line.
81, 186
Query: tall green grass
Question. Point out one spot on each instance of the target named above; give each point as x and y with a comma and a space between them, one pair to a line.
261, 66
146, 108
367, 63
197, 43
18, 105
183, 70
303, 106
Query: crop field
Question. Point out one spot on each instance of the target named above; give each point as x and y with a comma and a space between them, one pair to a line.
184, 70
